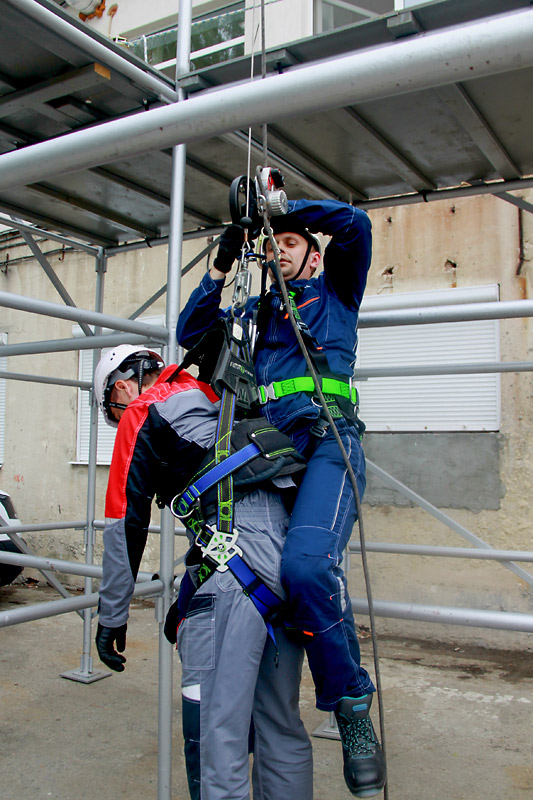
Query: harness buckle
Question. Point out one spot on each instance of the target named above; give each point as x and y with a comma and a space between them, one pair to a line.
266, 393
220, 547
320, 428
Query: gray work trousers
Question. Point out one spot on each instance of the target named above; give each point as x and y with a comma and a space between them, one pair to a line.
233, 674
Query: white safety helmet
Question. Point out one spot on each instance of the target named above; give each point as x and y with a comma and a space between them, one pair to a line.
120, 363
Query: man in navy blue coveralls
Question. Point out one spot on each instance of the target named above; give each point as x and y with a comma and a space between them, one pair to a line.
324, 511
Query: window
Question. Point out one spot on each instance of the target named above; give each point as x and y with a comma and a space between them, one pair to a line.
469, 402
333, 14
106, 434
216, 37
3, 367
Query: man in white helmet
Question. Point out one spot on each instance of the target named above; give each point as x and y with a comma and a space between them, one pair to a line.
235, 677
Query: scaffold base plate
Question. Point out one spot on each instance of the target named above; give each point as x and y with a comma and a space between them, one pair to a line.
85, 677
327, 731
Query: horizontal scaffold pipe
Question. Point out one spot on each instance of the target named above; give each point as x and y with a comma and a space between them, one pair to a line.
188, 236
54, 607
74, 343
475, 618
461, 53
462, 312
48, 309
99, 524
446, 369
444, 552
45, 526
448, 194
55, 237
51, 564
22, 376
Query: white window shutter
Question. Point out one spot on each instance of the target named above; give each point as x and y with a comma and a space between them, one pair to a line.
106, 434
469, 402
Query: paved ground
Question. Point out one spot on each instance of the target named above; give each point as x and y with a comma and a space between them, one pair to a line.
459, 722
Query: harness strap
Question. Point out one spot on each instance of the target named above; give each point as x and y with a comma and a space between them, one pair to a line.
278, 389
181, 504
222, 451
254, 587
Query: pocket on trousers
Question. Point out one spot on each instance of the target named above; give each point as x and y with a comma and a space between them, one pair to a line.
196, 634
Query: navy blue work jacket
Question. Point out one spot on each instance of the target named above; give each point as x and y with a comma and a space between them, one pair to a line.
328, 304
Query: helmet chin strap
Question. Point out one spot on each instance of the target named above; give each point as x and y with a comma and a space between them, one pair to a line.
304, 262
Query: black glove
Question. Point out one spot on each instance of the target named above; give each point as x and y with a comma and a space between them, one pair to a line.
171, 622
105, 641
229, 248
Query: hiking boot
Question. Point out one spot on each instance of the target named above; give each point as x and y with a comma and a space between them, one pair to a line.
364, 763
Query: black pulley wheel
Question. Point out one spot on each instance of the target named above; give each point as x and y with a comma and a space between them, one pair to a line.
243, 205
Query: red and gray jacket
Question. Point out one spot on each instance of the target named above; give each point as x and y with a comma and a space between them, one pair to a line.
161, 440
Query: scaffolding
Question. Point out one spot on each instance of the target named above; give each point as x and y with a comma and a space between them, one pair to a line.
436, 59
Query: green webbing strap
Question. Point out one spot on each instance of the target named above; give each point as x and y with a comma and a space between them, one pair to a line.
330, 386
222, 451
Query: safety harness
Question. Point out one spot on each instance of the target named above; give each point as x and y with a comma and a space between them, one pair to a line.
342, 399
246, 454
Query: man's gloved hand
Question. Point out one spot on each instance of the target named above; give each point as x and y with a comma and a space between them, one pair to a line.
171, 622
229, 248
105, 641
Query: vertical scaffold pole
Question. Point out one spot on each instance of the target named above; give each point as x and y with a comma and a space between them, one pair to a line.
86, 674
166, 571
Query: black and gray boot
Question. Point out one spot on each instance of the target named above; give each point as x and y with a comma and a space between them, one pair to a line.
364, 763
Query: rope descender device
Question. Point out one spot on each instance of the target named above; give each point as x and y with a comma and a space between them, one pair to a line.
249, 202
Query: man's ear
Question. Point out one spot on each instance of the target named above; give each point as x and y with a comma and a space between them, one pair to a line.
314, 261
128, 387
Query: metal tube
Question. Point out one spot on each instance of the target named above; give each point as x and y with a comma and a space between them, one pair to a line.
56, 282
54, 607
493, 45
86, 662
78, 315
442, 517
501, 620
445, 552
448, 194
67, 567
50, 564
461, 312
101, 52
166, 568
56, 237
21, 376
46, 526
446, 369
23, 547
187, 268
59, 565
100, 524
145, 243
74, 343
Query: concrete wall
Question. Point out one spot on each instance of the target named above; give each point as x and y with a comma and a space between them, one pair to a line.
471, 242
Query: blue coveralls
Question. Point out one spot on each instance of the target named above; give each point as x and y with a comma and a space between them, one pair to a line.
324, 512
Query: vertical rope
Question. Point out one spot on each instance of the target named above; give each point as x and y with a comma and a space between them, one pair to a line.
263, 75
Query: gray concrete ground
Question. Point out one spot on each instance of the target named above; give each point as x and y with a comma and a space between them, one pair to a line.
458, 721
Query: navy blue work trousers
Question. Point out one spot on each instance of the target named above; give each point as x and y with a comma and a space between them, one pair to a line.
319, 530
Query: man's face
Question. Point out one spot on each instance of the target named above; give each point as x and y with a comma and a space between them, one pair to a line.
293, 248
123, 392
